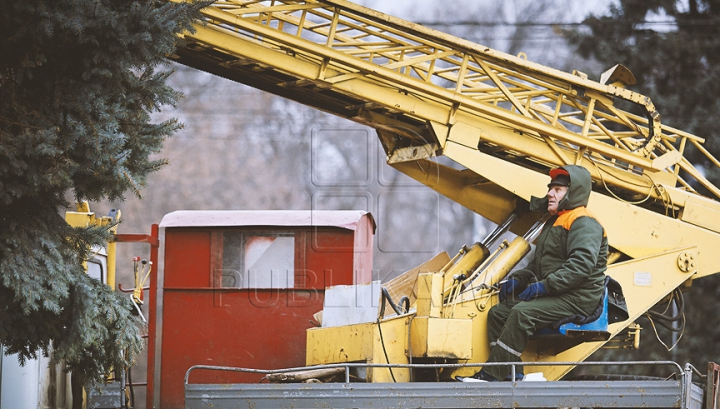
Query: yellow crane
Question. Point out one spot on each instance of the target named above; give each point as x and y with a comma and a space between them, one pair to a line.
504, 121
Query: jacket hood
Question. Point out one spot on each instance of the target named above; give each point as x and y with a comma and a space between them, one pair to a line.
578, 193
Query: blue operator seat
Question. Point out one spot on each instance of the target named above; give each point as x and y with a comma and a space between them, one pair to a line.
565, 336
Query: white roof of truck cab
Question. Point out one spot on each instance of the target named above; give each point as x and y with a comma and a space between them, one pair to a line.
346, 219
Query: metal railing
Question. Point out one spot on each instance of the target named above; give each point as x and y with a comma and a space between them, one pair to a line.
667, 392
682, 373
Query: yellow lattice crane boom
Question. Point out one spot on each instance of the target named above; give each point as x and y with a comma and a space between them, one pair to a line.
416, 84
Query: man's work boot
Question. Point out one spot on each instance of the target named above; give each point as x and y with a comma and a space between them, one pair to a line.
480, 376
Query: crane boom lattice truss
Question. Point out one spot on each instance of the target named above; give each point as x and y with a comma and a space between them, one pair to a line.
414, 84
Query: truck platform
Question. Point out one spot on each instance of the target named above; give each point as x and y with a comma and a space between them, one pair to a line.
677, 391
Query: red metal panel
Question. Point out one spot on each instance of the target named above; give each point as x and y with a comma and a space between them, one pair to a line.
187, 259
330, 257
137, 238
262, 329
187, 264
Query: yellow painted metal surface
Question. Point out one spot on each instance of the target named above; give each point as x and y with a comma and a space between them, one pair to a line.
80, 219
631, 229
470, 260
501, 265
367, 342
83, 217
702, 212
348, 343
430, 295
441, 338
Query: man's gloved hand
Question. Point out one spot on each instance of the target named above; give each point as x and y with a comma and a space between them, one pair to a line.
507, 288
532, 291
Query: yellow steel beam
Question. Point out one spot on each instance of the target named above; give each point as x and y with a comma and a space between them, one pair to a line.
84, 218
635, 231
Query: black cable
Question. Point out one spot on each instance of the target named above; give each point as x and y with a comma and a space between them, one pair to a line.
667, 321
405, 300
382, 342
665, 325
679, 302
386, 297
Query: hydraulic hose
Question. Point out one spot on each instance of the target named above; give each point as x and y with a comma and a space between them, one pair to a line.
396, 307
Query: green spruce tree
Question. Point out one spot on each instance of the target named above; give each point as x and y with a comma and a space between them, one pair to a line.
673, 49
79, 80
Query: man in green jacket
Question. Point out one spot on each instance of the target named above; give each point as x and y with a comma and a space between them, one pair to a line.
565, 277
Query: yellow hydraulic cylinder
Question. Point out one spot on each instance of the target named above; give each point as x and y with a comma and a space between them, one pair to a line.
505, 261
469, 262
482, 283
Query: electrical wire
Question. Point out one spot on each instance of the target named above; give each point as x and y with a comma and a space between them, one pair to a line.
663, 318
664, 195
404, 300
382, 342
386, 297
666, 321
667, 201
602, 179
657, 336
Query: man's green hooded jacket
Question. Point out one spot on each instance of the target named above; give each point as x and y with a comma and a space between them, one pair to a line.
571, 252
